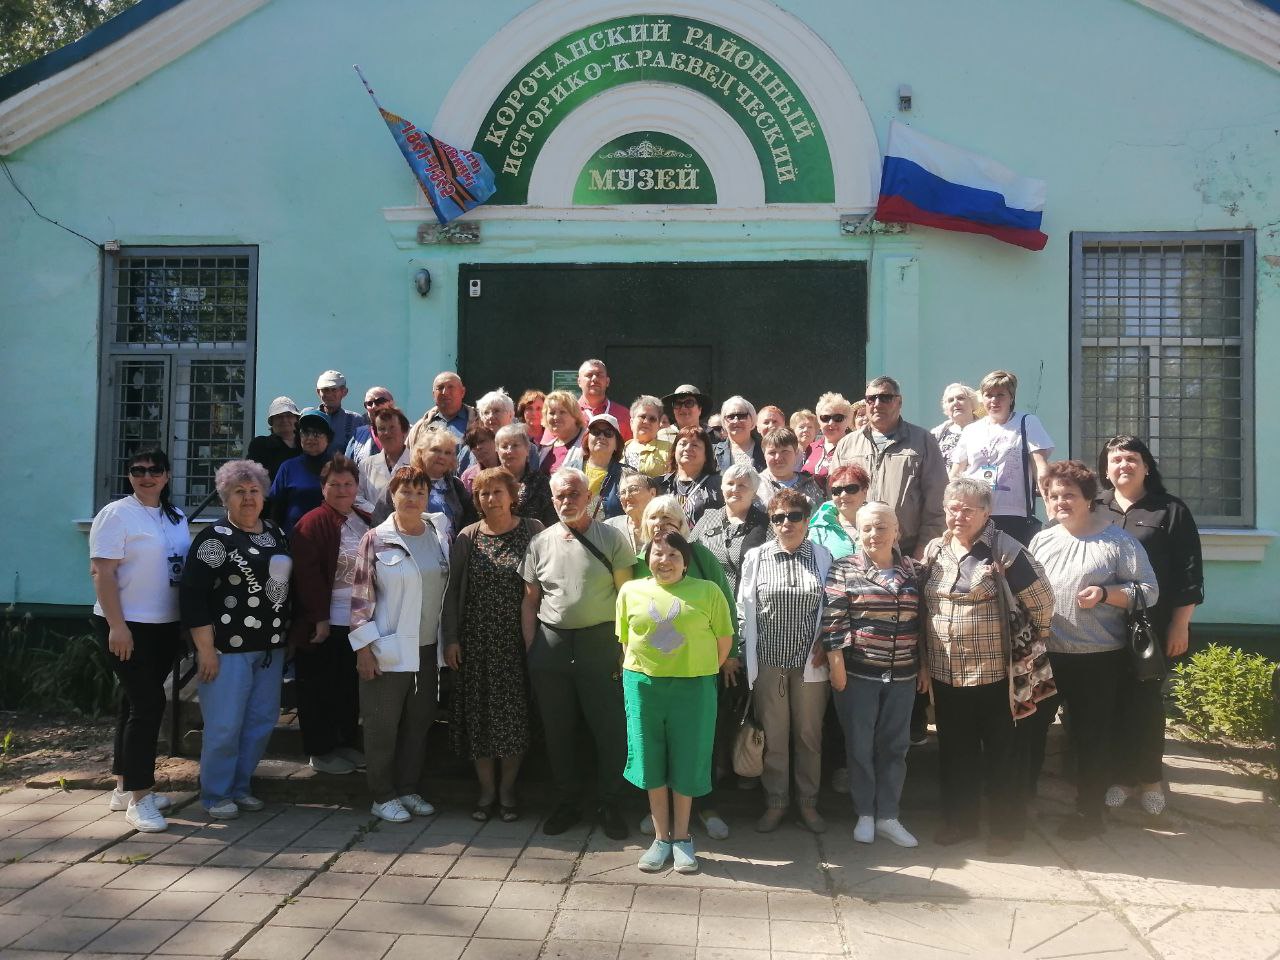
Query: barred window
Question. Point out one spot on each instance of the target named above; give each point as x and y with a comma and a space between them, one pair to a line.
178, 327
1162, 332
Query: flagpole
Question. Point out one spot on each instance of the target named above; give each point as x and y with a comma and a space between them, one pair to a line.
369, 89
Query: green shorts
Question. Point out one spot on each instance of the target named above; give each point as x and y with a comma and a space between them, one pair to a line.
671, 723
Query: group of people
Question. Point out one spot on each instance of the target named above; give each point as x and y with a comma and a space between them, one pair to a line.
647, 573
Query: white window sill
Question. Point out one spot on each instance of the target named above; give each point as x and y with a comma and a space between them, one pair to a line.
1242, 546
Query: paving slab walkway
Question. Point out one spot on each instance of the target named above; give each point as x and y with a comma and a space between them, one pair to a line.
327, 882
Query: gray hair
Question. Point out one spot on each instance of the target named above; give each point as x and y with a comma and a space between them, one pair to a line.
741, 471
570, 474
736, 401
433, 433
497, 398
876, 506
644, 401
512, 431
235, 472
969, 488
969, 392
883, 381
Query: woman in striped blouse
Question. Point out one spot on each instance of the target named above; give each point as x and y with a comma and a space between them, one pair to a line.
869, 628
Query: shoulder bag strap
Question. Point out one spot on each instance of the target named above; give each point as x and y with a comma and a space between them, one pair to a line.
1028, 484
591, 548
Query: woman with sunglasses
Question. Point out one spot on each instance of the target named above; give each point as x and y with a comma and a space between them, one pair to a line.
835, 419
137, 546
1134, 499
835, 525
780, 601
602, 463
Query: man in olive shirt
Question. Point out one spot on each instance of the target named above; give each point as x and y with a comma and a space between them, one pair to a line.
572, 573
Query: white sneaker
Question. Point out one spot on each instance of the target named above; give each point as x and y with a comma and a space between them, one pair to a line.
864, 831
646, 825
1116, 796
332, 763
226, 810
1153, 802
714, 824
416, 805
145, 817
896, 832
392, 811
248, 803
120, 800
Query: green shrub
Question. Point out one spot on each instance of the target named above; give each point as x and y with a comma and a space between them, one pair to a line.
1227, 692
43, 669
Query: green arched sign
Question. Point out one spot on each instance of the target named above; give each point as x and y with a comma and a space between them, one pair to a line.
645, 167
747, 83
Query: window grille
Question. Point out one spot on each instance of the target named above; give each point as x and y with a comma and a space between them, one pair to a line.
1163, 349
178, 331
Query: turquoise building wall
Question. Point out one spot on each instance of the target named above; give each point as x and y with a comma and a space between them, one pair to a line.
262, 135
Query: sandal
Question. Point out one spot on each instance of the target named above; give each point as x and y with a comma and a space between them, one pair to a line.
483, 811
508, 814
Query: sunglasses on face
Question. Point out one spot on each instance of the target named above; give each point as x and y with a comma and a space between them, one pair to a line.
792, 516
377, 401
313, 435
847, 488
737, 416
873, 398
141, 471
685, 403
831, 417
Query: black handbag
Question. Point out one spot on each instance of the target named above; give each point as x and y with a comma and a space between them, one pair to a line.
1146, 653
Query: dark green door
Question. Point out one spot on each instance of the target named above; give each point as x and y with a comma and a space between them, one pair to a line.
778, 333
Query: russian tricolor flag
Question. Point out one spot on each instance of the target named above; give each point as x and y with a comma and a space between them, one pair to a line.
935, 184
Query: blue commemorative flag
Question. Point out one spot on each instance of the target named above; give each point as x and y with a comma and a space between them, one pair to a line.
454, 181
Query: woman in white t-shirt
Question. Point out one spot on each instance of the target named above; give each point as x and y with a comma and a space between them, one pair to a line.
137, 546
1007, 451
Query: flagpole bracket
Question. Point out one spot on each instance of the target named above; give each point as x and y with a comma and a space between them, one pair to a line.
864, 224
450, 233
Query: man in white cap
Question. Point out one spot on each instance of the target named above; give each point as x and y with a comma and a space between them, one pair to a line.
281, 443
365, 442
331, 388
593, 381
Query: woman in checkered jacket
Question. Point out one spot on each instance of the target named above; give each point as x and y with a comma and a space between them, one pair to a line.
968, 664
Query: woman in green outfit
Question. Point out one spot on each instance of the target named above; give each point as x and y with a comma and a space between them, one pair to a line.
675, 633
832, 524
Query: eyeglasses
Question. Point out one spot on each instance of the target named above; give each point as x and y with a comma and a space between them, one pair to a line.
684, 403
141, 471
737, 416
313, 435
377, 401
791, 516
847, 488
831, 417
646, 417
874, 398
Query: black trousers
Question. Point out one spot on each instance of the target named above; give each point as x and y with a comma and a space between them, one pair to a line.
576, 678
1021, 529
1137, 747
328, 693
1088, 683
142, 676
975, 756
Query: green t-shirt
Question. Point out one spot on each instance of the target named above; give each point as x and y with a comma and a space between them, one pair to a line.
671, 631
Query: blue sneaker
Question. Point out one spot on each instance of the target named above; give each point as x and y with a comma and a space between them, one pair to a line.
686, 858
656, 857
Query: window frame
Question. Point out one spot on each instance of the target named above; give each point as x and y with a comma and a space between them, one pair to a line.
111, 352
1248, 357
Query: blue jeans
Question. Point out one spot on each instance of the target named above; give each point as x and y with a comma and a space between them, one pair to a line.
876, 720
240, 707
